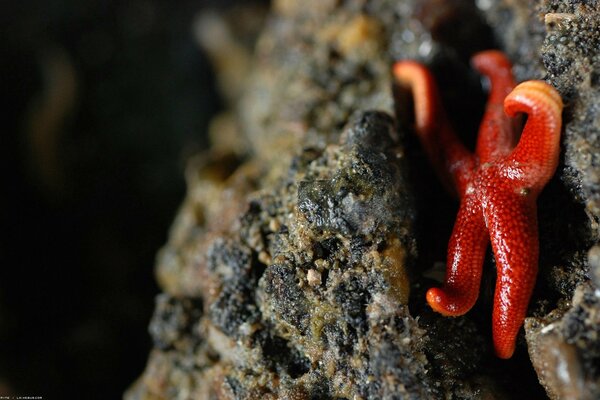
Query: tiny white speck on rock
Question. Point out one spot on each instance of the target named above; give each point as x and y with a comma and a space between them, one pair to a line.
313, 277
264, 257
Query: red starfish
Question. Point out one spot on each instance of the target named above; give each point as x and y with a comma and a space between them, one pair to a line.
497, 187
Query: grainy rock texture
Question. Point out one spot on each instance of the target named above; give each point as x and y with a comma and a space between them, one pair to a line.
286, 275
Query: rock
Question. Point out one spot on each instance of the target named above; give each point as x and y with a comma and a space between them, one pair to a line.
286, 275
565, 349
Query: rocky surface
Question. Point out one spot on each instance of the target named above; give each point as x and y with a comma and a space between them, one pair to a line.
294, 269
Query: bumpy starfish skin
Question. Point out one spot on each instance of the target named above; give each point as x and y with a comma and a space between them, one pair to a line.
497, 187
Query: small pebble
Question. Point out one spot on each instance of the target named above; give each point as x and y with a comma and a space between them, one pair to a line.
274, 225
264, 257
313, 277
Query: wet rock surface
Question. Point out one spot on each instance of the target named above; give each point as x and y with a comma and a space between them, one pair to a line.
564, 347
286, 275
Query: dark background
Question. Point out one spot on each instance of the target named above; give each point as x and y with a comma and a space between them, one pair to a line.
87, 197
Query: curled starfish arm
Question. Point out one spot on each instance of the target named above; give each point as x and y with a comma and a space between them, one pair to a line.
466, 252
514, 238
450, 158
538, 149
497, 136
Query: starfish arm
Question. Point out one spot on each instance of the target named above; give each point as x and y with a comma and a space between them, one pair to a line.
496, 133
466, 252
513, 232
451, 159
537, 151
